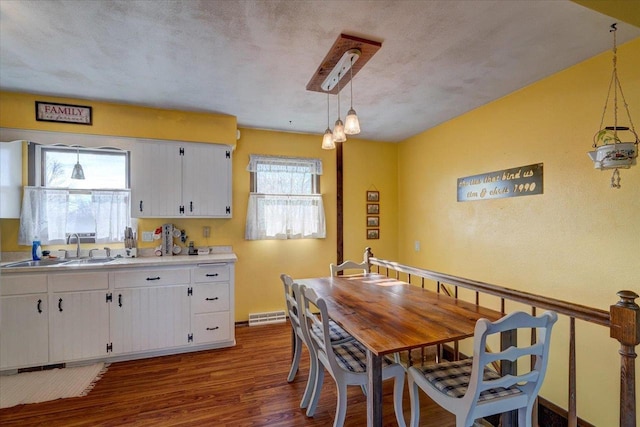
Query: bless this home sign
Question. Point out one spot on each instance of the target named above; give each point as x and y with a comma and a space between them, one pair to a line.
65, 113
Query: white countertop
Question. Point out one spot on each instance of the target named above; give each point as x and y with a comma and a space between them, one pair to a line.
147, 261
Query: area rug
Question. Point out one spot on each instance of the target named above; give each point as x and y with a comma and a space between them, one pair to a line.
41, 386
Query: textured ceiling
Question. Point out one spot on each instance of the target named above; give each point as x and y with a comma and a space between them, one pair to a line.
253, 59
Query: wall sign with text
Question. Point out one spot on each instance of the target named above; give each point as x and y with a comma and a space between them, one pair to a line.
64, 113
514, 182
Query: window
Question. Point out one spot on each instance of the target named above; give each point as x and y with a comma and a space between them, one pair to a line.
284, 199
54, 205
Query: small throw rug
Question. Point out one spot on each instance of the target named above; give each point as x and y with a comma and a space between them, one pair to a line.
41, 386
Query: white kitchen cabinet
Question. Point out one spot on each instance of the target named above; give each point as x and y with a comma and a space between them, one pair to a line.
119, 312
149, 318
211, 304
79, 307
24, 322
150, 309
24, 339
156, 175
171, 179
10, 179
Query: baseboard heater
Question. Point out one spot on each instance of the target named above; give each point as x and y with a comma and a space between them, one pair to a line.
266, 318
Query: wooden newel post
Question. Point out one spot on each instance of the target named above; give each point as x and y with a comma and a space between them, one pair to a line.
625, 327
368, 254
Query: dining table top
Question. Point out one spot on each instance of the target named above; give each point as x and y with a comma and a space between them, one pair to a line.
388, 315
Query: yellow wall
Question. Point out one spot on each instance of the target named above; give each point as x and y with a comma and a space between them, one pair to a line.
579, 241
258, 288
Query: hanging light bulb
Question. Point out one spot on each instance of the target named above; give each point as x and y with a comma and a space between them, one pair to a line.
338, 128
327, 139
77, 173
351, 123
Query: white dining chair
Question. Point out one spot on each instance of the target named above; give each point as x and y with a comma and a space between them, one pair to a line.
362, 267
337, 335
472, 389
345, 361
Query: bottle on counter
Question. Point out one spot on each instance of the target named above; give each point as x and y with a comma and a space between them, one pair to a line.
36, 250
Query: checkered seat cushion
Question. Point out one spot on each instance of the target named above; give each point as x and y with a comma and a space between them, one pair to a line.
352, 356
336, 333
452, 379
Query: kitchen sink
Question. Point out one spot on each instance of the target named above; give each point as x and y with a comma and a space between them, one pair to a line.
89, 261
40, 263
60, 262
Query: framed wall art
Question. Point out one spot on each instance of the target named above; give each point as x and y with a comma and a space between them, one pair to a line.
373, 221
373, 233
373, 208
373, 196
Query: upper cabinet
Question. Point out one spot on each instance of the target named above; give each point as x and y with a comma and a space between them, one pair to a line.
172, 180
10, 179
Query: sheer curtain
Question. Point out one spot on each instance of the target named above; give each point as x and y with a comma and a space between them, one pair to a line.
284, 203
45, 212
111, 212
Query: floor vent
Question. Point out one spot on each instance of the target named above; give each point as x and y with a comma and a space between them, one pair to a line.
266, 318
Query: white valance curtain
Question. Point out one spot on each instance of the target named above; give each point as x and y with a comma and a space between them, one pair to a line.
45, 212
263, 163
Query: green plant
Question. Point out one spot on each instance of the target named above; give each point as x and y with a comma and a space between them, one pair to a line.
607, 136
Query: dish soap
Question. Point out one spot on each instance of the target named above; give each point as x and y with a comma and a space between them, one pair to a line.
36, 250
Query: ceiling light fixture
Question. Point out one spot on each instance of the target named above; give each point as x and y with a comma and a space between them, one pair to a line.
77, 173
610, 152
338, 128
351, 123
327, 140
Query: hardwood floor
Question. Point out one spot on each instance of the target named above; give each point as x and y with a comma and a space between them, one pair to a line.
241, 386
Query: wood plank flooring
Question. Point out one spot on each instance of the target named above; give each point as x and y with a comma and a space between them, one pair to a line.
241, 386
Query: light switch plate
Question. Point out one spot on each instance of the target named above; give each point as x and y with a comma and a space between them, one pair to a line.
147, 236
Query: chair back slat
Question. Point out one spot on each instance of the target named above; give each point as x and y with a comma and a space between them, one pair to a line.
362, 267
513, 353
509, 380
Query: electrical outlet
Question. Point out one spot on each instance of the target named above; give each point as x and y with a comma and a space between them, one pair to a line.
206, 231
416, 245
147, 236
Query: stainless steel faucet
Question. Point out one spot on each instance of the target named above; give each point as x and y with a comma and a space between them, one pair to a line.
77, 243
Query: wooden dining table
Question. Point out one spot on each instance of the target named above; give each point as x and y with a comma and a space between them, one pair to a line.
388, 315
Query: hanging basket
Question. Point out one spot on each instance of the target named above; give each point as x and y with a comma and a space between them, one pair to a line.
612, 156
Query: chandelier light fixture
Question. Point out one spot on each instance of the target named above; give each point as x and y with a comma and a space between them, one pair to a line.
610, 151
327, 140
340, 63
351, 123
77, 173
338, 128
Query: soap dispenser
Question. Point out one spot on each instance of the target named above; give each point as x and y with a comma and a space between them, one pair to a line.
36, 250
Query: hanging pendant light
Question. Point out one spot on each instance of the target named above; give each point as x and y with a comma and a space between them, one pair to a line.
351, 123
327, 139
610, 151
338, 128
77, 173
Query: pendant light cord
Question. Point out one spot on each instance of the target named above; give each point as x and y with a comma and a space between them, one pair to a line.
339, 95
351, 80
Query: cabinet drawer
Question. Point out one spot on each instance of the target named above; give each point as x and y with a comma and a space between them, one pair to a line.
69, 282
156, 277
218, 272
23, 284
210, 297
211, 327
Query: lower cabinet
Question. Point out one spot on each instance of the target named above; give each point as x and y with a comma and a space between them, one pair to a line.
79, 326
79, 319
24, 340
97, 313
149, 318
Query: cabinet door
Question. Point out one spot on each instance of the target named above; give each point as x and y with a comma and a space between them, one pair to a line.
79, 325
24, 337
206, 174
156, 185
149, 318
